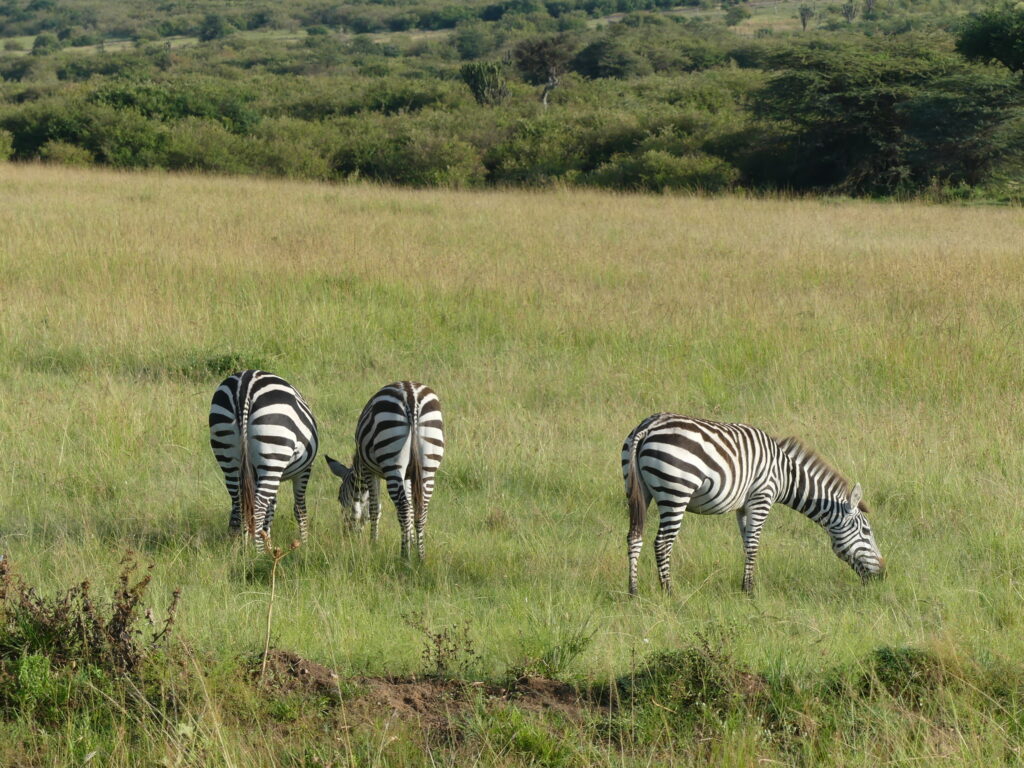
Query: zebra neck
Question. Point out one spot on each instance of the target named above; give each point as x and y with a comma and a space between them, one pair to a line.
811, 489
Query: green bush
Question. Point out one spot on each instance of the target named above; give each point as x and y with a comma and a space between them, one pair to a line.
656, 170
56, 151
294, 148
45, 44
537, 151
610, 57
6, 145
400, 151
201, 144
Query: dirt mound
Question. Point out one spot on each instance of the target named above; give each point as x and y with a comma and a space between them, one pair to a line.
433, 703
541, 694
287, 671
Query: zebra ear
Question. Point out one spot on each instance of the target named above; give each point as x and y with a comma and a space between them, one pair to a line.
337, 467
855, 496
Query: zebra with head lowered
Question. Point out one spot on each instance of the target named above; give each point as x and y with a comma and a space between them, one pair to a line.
400, 437
262, 433
710, 468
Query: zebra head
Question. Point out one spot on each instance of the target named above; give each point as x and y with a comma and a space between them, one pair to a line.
353, 499
853, 541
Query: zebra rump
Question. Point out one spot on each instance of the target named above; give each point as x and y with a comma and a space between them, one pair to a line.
262, 433
400, 438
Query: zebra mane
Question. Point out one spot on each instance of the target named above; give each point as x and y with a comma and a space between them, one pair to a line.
812, 461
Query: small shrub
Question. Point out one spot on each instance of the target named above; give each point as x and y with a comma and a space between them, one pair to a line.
202, 365
45, 44
65, 153
552, 656
447, 653
905, 673
697, 680
71, 629
509, 732
6, 145
737, 14
657, 170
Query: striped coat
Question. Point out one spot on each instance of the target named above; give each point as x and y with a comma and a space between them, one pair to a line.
709, 468
400, 438
262, 433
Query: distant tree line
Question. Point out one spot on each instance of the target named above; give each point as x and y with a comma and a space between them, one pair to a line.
649, 103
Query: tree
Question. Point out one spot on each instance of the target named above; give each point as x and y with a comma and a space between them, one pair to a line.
736, 14
806, 13
883, 118
849, 11
45, 43
543, 61
996, 34
214, 27
610, 57
486, 79
473, 40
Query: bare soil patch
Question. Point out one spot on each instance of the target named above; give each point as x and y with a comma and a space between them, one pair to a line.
431, 702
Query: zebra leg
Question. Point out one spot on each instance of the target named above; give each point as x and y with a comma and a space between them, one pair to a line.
267, 487
421, 520
633, 545
372, 483
299, 487
741, 521
403, 506
753, 517
232, 482
261, 506
668, 528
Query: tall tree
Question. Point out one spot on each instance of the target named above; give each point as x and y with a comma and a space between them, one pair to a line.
886, 117
996, 34
543, 61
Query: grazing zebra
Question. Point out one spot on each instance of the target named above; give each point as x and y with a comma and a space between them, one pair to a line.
711, 468
262, 432
400, 437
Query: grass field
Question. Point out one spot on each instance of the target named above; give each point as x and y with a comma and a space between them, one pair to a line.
888, 336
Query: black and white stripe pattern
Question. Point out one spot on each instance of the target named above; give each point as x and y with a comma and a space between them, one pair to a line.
399, 437
262, 433
709, 468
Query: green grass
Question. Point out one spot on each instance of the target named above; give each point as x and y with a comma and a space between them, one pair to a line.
887, 336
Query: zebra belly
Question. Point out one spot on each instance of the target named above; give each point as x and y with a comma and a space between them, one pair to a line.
710, 500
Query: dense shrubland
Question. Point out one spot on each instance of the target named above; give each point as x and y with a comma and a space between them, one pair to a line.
875, 98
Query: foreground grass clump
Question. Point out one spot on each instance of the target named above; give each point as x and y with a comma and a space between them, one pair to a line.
888, 337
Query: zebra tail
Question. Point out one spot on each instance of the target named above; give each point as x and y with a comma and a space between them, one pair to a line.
248, 489
635, 494
415, 464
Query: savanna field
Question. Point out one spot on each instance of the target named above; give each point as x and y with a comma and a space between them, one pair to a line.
888, 336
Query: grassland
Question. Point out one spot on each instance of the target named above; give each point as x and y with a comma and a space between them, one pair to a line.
888, 336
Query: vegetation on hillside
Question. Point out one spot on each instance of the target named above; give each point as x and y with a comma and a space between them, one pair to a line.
879, 97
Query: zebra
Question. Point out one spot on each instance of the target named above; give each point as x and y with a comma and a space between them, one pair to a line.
710, 468
399, 437
262, 432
